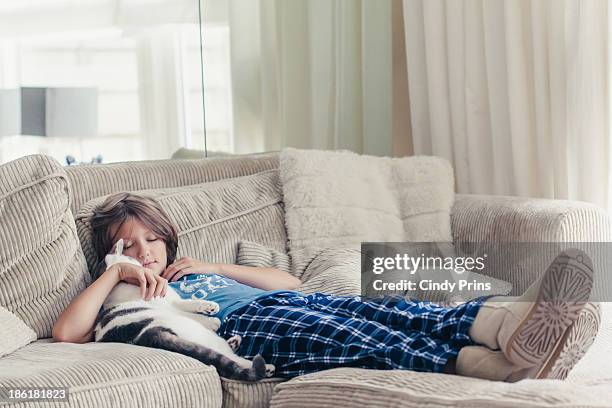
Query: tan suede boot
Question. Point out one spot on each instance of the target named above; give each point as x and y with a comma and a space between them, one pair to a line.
482, 362
527, 328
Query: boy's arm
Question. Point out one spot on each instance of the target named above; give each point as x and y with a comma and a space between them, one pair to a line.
262, 278
76, 323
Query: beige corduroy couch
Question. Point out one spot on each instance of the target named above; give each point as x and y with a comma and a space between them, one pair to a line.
39, 200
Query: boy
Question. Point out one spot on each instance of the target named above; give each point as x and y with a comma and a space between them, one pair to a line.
497, 338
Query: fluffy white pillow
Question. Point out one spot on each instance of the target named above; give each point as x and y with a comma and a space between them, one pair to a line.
338, 197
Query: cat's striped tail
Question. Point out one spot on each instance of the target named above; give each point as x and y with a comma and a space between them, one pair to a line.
164, 338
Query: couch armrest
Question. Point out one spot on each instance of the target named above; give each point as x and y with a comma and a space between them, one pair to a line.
486, 220
480, 218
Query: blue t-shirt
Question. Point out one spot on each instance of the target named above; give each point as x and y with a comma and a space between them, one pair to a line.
228, 293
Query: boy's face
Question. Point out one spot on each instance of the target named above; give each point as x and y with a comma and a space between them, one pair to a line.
142, 244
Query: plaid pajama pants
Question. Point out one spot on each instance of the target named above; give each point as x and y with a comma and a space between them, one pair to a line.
301, 333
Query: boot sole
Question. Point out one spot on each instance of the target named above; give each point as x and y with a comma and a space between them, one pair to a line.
575, 343
562, 295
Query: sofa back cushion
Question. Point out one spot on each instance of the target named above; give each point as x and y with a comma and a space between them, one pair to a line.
211, 218
91, 181
41, 263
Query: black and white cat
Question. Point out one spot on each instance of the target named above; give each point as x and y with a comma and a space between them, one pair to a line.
174, 324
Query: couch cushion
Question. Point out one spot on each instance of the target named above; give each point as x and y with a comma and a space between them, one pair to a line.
353, 387
212, 217
334, 198
91, 181
113, 374
41, 263
241, 394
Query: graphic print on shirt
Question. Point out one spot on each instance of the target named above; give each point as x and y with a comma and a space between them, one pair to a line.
200, 286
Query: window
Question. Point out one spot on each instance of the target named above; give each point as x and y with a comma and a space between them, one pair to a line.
217, 88
145, 68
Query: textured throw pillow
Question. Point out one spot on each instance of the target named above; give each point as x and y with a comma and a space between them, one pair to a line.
211, 217
41, 263
257, 255
15, 333
337, 198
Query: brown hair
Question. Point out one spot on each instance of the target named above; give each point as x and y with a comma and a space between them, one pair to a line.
120, 207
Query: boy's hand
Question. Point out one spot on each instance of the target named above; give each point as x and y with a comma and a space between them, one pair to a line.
188, 266
151, 285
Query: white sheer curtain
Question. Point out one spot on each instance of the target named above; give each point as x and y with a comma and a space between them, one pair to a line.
514, 93
312, 74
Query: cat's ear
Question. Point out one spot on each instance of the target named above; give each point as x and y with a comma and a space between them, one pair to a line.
119, 247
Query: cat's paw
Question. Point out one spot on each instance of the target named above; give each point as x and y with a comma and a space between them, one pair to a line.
213, 323
270, 370
208, 307
234, 342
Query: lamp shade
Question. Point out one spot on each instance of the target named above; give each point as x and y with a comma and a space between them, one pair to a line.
33, 111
